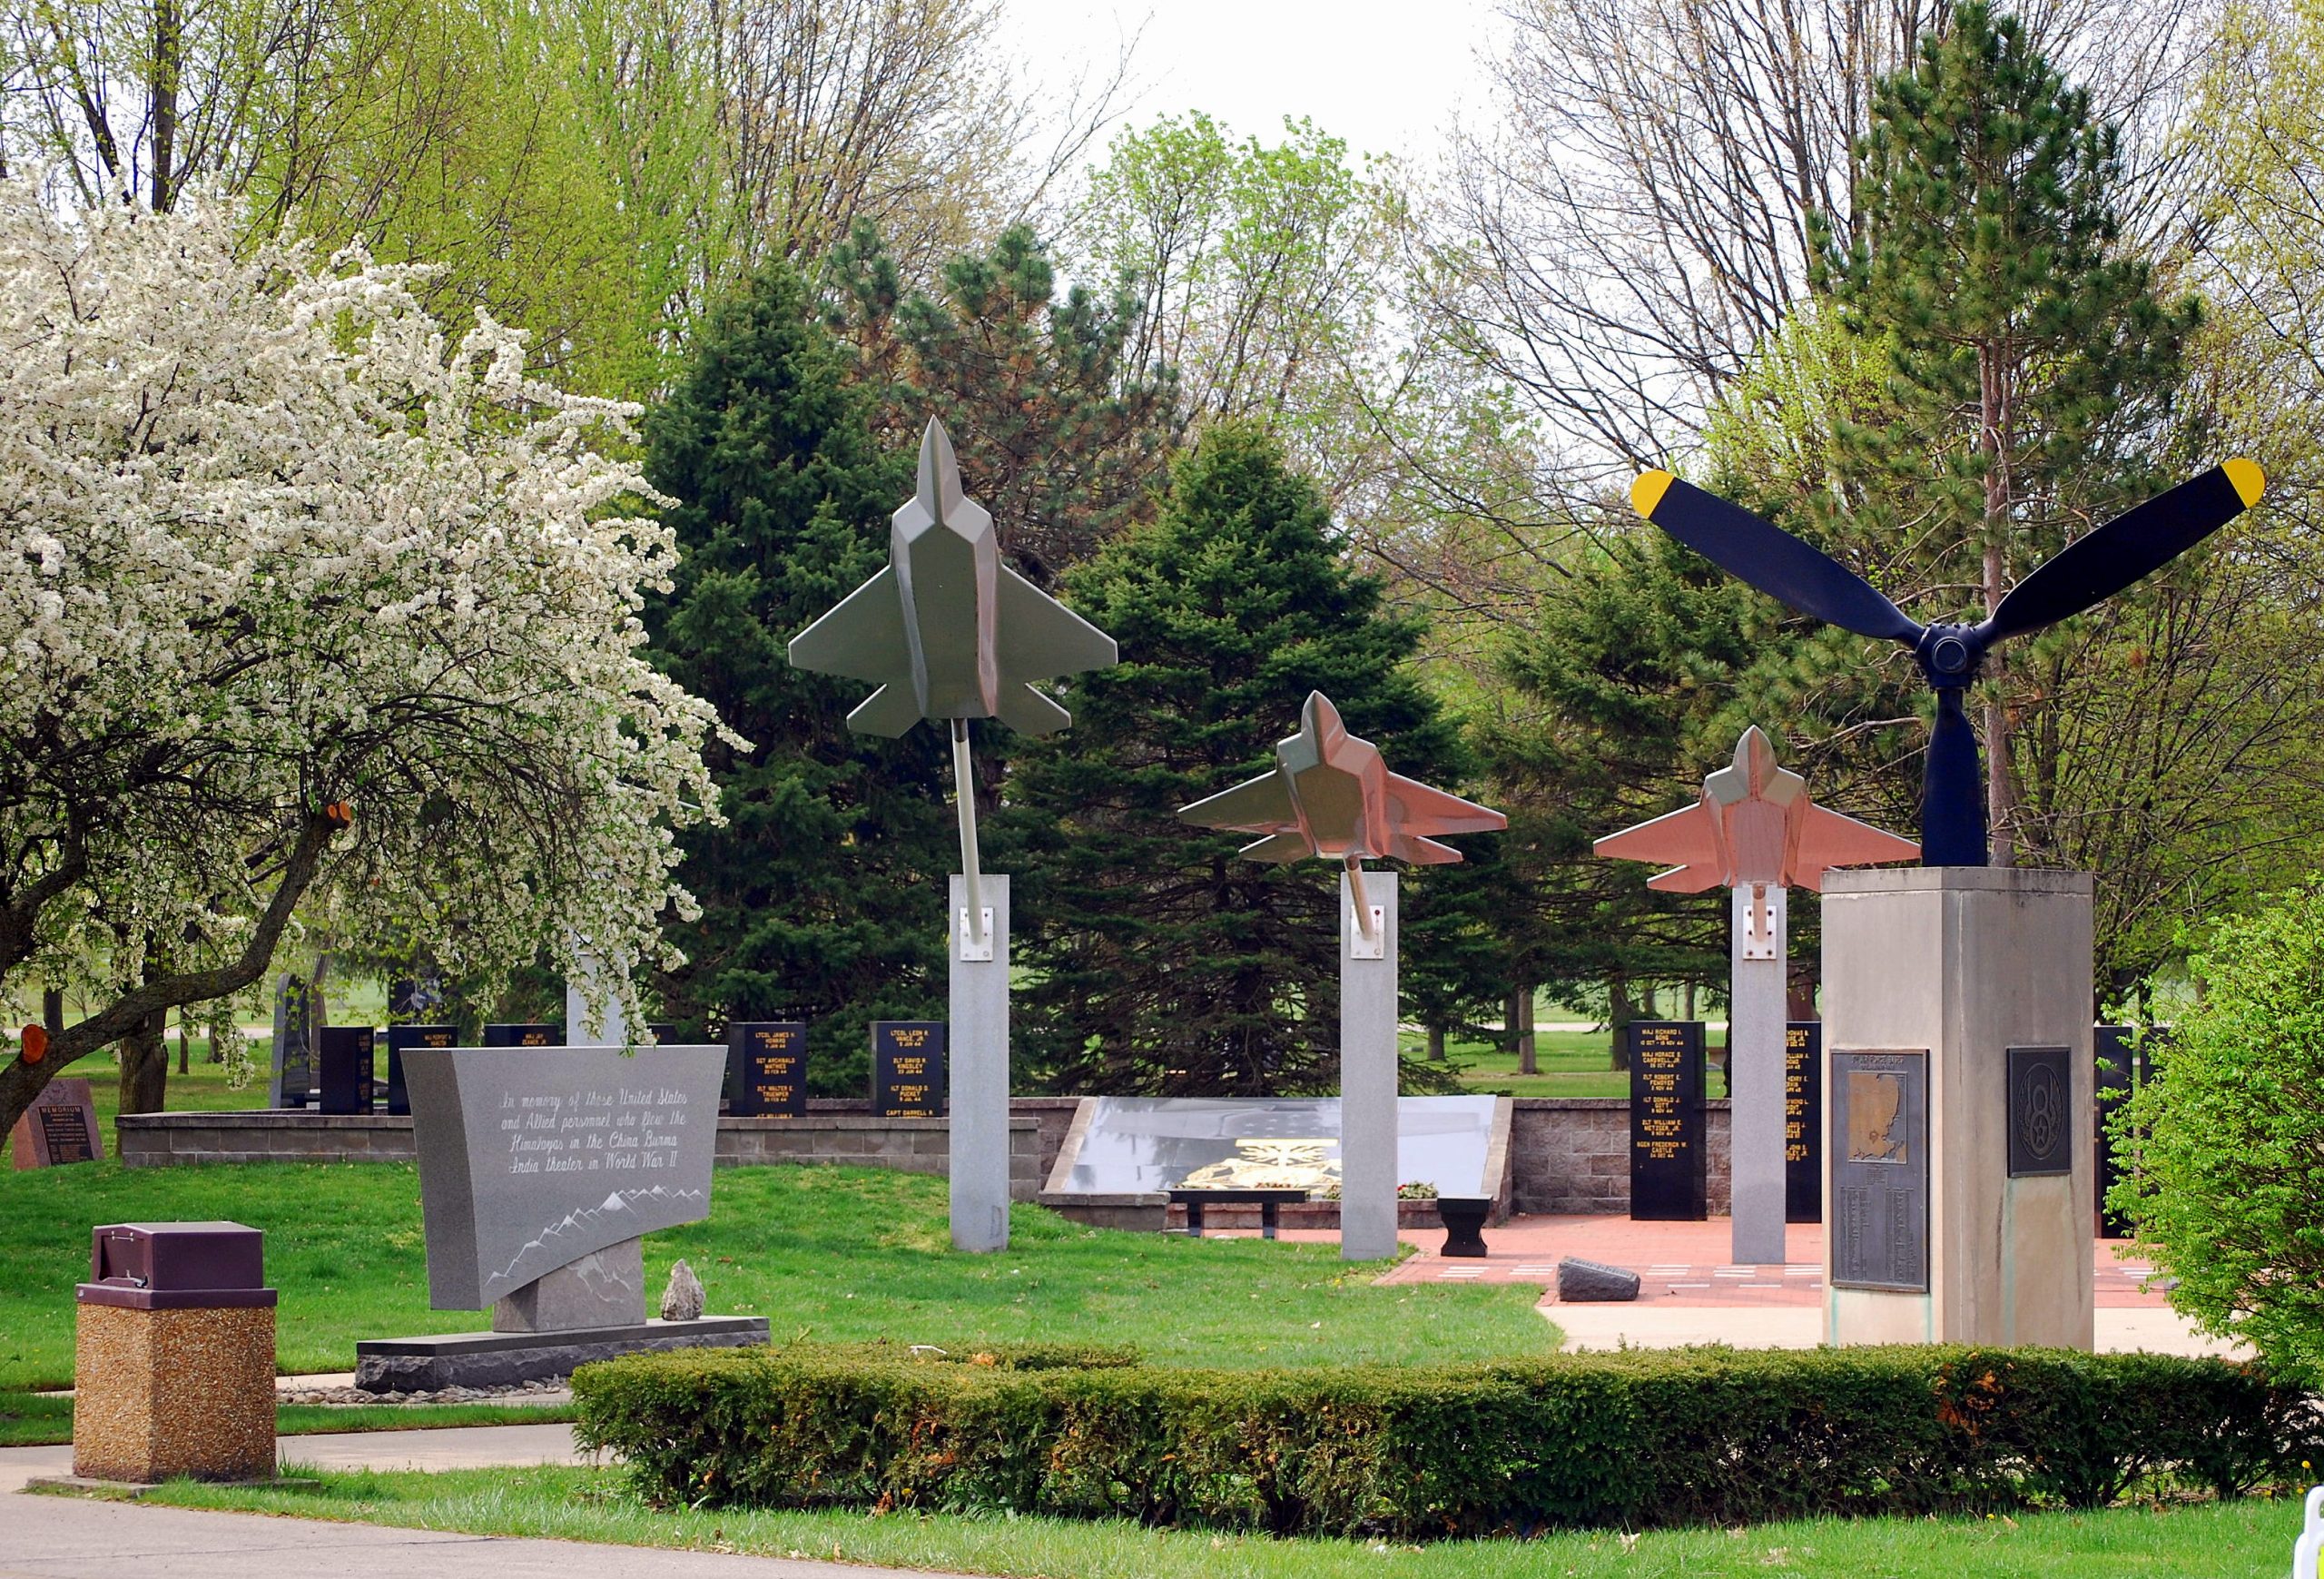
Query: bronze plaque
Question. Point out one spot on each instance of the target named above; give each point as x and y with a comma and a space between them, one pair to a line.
1880, 1139
2041, 1102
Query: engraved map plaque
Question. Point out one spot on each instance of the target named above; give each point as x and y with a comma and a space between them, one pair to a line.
2040, 1108
1668, 1159
1878, 1219
1803, 1121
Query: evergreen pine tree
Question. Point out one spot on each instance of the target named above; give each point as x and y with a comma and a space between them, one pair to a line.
2034, 365
821, 895
1157, 961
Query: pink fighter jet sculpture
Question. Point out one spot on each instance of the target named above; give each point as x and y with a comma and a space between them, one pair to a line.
1754, 824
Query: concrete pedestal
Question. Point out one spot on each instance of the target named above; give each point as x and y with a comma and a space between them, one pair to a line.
1368, 1074
163, 1392
1932, 976
980, 1075
1755, 1025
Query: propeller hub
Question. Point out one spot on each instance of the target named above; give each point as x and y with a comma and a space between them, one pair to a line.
1950, 655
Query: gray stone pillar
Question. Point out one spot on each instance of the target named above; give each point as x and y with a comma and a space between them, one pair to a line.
1756, 1022
980, 1071
1958, 1183
1368, 1073
583, 1029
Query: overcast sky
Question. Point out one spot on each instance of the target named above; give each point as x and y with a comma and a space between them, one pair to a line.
1387, 77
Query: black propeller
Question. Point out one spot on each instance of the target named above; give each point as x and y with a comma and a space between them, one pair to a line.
2091, 569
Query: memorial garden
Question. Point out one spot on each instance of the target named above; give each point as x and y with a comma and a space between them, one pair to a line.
774, 782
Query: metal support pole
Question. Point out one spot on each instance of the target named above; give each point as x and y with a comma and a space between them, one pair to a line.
1755, 1075
974, 918
1367, 1068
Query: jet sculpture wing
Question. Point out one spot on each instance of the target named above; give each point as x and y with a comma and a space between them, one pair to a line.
1036, 637
1688, 836
1416, 809
861, 636
1828, 839
1262, 805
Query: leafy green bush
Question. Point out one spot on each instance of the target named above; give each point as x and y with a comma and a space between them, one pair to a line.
2227, 1186
1626, 1440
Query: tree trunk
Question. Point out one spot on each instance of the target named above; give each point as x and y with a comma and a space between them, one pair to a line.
1527, 1062
145, 1065
1994, 419
1436, 1044
1619, 1014
1688, 1012
168, 52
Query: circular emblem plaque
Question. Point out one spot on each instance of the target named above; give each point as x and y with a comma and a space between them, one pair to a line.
2040, 1110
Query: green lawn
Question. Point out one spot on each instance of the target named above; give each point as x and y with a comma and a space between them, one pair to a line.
2245, 1540
826, 1253
40, 1419
1572, 1063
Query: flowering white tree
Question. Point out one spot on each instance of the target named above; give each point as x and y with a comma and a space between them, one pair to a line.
306, 601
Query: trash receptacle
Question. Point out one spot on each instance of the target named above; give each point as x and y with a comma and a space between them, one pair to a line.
173, 1359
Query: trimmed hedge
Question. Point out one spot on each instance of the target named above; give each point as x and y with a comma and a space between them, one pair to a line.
1624, 1440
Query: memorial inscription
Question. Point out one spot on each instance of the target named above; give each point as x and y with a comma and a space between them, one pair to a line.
1879, 1139
528, 1164
540, 1034
771, 1063
908, 1069
2041, 1102
1670, 1178
1803, 1121
60, 1126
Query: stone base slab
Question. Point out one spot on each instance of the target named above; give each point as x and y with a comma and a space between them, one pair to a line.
491, 1360
132, 1490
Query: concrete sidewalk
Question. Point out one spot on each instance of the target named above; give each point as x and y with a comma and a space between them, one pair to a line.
66, 1537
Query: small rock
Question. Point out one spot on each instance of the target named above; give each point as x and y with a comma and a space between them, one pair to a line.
1583, 1281
682, 1300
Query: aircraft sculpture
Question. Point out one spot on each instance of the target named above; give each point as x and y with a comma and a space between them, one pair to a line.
2088, 571
948, 633
1331, 795
1755, 830
1753, 824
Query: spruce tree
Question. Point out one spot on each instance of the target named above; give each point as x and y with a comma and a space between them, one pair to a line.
1158, 963
2033, 362
821, 895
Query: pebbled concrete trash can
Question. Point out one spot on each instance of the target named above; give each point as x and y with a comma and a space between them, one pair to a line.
173, 1359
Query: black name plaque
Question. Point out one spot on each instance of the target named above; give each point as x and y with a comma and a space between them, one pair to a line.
908, 1069
770, 1059
1670, 1162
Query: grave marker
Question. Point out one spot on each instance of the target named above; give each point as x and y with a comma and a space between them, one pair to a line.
60, 1126
401, 1038
343, 1056
2122, 1069
292, 1081
908, 1069
1803, 1121
770, 1063
536, 1034
1670, 1180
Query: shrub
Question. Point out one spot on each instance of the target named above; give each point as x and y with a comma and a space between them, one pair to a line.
2228, 1188
1625, 1440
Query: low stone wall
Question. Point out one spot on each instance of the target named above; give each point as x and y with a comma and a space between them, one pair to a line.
1567, 1154
860, 1140
1571, 1155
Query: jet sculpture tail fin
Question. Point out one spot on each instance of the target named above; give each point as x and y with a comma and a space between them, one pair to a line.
889, 711
1419, 851
1028, 712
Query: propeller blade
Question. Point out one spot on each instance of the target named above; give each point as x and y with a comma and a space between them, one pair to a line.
1769, 557
2128, 548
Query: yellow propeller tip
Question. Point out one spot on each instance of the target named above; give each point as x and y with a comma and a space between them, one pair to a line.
1647, 491
2249, 481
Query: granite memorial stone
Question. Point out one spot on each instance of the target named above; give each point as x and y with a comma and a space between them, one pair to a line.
535, 1034
1669, 1160
292, 1081
908, 1069
402, 1038
770, 1062
1879, 1149
60, 1126
1803, 1121
2123, 1068
343, 1058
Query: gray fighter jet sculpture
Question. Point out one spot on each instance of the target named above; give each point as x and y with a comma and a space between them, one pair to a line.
949, 633
1331, 795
